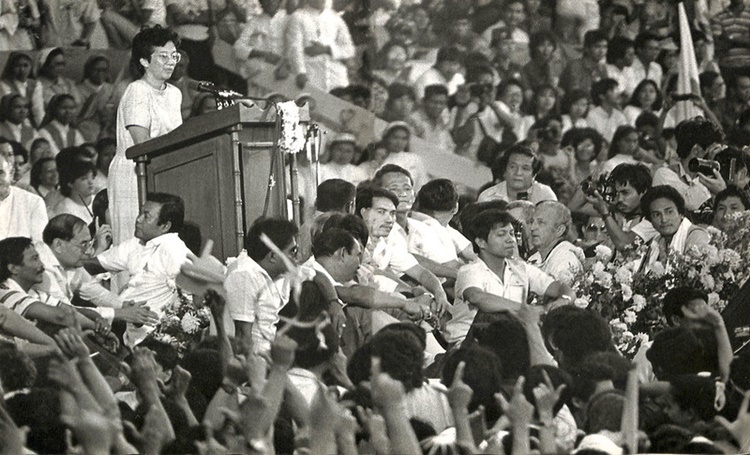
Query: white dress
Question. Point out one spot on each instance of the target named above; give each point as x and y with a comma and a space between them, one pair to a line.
159, 112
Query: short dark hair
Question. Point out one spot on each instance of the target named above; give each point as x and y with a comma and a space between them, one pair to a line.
63, 226
449, 54
661, 192
637, 175
725, 157
389, 168
696, 131
575, 136
280, 231
600, 88
73, 171
11, 253
617, 48
367, 193
327, 242
485, 222
707, 78
499, 165
537, 38
506, 337
584, 332
334, 195
482, 372
311, 350
732, 191
643, 37
172, 209
570, 98
677, 298
592, 37
350, 223
437, 195
401, 356
145, 42
435, 89
677, 351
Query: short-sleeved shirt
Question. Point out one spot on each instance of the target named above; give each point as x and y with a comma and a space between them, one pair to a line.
518, 280
691, 189
22, 214
153, 268
436, 242
255, 298
537, 193
13, 297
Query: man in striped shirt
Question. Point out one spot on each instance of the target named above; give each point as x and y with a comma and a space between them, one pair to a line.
20, 269
731, 30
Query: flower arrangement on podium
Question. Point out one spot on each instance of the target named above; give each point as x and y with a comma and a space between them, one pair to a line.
183, 324
292, 136
631, 300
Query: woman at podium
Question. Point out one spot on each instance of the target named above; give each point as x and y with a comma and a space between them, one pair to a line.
150, 107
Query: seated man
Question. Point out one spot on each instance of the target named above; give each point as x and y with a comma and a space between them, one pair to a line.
253, 284
554, 255
408, 224
377, 207
496, 281
438, 204
152, 258
664, 207
516, 171
333, 195
20, 270
67, 243
22, 212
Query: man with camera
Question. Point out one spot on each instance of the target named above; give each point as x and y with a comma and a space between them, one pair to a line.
698, 141
617, 200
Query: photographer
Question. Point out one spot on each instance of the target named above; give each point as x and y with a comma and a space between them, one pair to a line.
696, 138
622, 214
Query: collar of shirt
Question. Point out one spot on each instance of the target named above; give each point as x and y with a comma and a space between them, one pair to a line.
684, 176
159, 240
12, 285
318, 267
60, 127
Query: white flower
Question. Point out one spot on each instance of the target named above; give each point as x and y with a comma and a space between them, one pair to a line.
190, 324
713, 299
708, 281
639, 303
582, 302
627, 293
624, 276
617, 327
603, 253
629, 316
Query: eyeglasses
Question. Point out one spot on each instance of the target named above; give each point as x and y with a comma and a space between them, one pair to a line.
594, 227
83, 246
165, 57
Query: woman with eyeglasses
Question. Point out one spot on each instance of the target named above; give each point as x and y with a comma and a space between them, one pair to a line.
150, 107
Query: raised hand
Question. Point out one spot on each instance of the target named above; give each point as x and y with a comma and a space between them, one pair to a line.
282, 351
385, 390
143, 367
459, 393
71, 344
740, 428
518, 409
546, 396
179, 384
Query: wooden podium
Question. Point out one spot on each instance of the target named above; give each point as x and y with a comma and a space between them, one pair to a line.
225, 166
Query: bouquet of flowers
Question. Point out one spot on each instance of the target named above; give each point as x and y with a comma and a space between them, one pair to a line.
737, 234
632, 300
183, 324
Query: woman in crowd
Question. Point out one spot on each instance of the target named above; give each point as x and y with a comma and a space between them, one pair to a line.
543, 70
391, 68
58, 125
623, 149
51, 64
150, 107
77, 187
575, 108
543, 104
44, 177
97, 113
584, 144
645, 98
14, 120
17, 78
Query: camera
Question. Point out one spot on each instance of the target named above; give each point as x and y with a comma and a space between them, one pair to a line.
705, 167
604, 185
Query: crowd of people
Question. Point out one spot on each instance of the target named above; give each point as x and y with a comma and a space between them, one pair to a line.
404, 314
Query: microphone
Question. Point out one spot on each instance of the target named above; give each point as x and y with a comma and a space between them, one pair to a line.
210, 87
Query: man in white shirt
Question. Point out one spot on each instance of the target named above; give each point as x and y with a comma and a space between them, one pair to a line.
516, 169
318, 43
254, 285
152, 258
21, 212
447, 72
497, 281
433, 121
377, 207
556, 256
645, 66
606, 117
67, 243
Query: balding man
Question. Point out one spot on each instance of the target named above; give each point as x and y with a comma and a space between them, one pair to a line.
22, 214
555, 255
